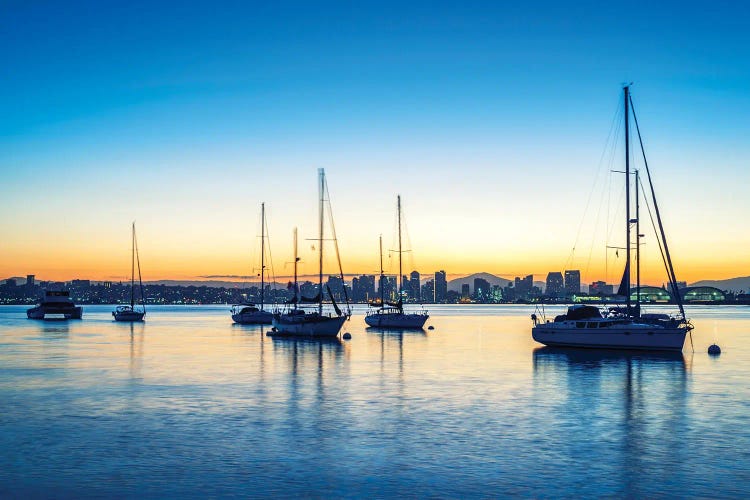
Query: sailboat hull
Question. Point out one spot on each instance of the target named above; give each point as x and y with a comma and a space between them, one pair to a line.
307, 325
253, 318
634, 336
396, 320
128, 315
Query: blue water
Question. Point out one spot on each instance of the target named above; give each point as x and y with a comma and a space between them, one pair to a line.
188, 404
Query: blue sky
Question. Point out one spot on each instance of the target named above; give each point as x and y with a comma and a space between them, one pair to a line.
478, 113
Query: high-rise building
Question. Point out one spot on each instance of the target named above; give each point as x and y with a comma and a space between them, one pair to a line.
363, 288
481, 289
441, 287
30, 280
523, 287
465, 292
572, 282
555, 285
428, 291
415, 286
387, 287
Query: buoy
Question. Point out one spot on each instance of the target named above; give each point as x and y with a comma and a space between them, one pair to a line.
714, 349
347, 336
430, 327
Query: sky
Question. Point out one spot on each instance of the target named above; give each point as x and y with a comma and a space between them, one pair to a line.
494, 121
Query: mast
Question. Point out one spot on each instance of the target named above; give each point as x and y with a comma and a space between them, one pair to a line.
382, 278
400, 272
138, 262
637, 247
296, 259
262, 252
132, 267
626, 91
321, 189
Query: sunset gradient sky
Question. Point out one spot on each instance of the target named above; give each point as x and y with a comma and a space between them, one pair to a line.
490, 119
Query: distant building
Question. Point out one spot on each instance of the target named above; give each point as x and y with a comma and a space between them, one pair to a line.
30, 280
601, 289
465, 291
10, 282
415, 286
523, 287
428, 291
387, 287
363, 288
81, 283
572, 282
482, 289
555, 285
441, 287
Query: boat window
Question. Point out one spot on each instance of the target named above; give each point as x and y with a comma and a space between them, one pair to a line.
580, 324
593, 324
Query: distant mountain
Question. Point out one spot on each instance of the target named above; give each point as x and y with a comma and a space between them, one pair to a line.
456, 284
733, 284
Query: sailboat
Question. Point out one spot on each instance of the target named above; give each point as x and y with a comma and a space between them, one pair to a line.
391, 314
130, 312
314, 323
250, 313
622, 328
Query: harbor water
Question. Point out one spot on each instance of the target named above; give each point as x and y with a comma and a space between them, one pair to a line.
188, 404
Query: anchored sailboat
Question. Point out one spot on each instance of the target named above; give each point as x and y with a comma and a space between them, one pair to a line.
391, 314
314, 323
250, 313
618, 328
131, 312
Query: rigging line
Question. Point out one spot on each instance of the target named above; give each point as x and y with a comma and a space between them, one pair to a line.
593, 187
653, 224
270, 257
336, 245
138, 261
670, 267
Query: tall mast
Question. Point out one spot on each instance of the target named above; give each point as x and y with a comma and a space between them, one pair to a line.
626, 91
262, 252
321, 189
296, 259
382, 279
400, 272
637, 246
138, 263
132, 267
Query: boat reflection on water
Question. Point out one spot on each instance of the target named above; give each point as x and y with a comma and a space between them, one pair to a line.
599, 357
634, 403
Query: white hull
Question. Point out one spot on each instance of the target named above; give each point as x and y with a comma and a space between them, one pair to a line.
253, 318
308, 325
396, 320
634, 336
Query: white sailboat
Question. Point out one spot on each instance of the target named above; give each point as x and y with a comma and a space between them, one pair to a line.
617, 328
131, 312
297, 321
250, 313
392, 314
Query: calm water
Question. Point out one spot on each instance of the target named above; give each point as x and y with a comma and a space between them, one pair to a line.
189, 404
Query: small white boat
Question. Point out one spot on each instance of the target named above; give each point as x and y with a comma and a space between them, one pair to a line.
56, 304
249, 313
130, 312
296, 321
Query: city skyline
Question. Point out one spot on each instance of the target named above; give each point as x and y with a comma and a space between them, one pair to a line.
489, 122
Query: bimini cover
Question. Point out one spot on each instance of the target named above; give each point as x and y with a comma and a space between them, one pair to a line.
583, 312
